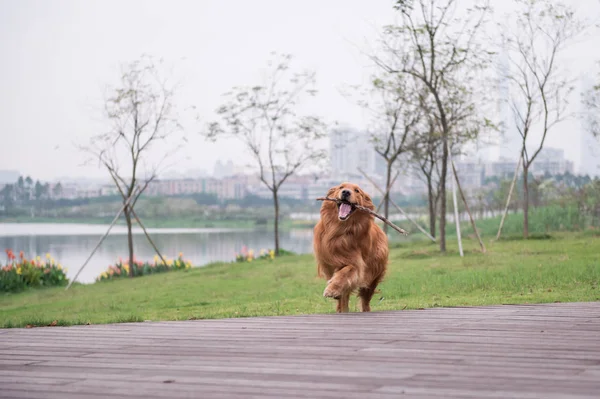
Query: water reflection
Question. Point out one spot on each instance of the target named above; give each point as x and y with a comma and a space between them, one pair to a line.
72, 244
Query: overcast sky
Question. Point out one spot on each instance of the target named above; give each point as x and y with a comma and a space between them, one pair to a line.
58, 56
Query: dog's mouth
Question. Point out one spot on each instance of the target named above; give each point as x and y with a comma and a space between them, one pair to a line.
345, 209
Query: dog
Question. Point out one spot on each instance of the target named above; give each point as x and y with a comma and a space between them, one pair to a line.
350, 249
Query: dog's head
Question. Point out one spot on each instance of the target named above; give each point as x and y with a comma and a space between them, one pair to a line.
348, 195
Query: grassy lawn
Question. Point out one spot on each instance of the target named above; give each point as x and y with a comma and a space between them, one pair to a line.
563, 268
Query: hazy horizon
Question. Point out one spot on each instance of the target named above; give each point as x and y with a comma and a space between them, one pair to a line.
59, 56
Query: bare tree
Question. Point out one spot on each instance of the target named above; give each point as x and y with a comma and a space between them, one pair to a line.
395, 114
426, 151
265, 120
441, 51
541, 30
141, 115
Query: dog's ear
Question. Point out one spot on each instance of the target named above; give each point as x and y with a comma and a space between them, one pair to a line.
331, 191
368, 202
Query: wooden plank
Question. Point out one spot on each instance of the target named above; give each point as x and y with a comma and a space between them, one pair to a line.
527, 351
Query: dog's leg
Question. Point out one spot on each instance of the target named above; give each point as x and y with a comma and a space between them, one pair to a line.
343, 303
366, 294
342, 283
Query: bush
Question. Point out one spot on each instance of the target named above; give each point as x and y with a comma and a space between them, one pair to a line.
20, 274
121, 269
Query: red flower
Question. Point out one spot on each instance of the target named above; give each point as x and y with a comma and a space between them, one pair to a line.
21, 255
10, 254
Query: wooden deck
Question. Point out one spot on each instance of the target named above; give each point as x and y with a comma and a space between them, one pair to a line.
541, 351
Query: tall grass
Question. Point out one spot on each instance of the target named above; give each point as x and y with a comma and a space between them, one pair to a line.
542, 220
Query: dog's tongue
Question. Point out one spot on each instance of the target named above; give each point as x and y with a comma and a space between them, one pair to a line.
344, 210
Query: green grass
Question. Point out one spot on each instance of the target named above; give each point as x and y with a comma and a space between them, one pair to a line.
564, 267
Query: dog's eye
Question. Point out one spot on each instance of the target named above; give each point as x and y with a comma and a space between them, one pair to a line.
356, 190
341, 187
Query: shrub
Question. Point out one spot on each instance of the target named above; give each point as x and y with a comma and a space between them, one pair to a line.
121, 269
21, 273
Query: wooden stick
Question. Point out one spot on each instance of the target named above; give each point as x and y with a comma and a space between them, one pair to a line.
462, 195
148, 236
510, 192
362, 208
396, 206
456, 217
101, 241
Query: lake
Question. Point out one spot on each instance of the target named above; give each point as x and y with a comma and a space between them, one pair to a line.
71, 244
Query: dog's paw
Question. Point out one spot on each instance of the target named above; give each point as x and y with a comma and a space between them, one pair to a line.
332, 291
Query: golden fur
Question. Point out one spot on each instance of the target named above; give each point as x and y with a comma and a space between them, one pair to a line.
351, 254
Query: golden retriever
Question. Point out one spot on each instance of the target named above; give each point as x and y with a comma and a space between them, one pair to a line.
350, 249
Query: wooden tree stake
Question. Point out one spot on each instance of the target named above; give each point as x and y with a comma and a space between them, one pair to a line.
101, 239
396, 206
456, 217
148, 236
462, 195
512, 187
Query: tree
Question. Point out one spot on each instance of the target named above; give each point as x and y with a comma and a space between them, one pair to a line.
39, 190
392, 102
20, 189
141, 114
426, 151
442, 52
541, 30
265, 120
8, 195
57, 190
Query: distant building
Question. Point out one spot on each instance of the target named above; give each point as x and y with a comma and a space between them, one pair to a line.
590, 155
351, 149
503, 168
470, 173
506, 145
233, 187
551, 161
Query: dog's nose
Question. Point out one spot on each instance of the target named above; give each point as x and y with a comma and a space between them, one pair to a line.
345, 193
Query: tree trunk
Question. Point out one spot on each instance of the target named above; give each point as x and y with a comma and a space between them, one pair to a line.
276, 204
525, 201
386, 197
432, 205
443, 194
129, 239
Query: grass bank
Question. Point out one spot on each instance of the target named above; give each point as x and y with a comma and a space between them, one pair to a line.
190, 222
563, 268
